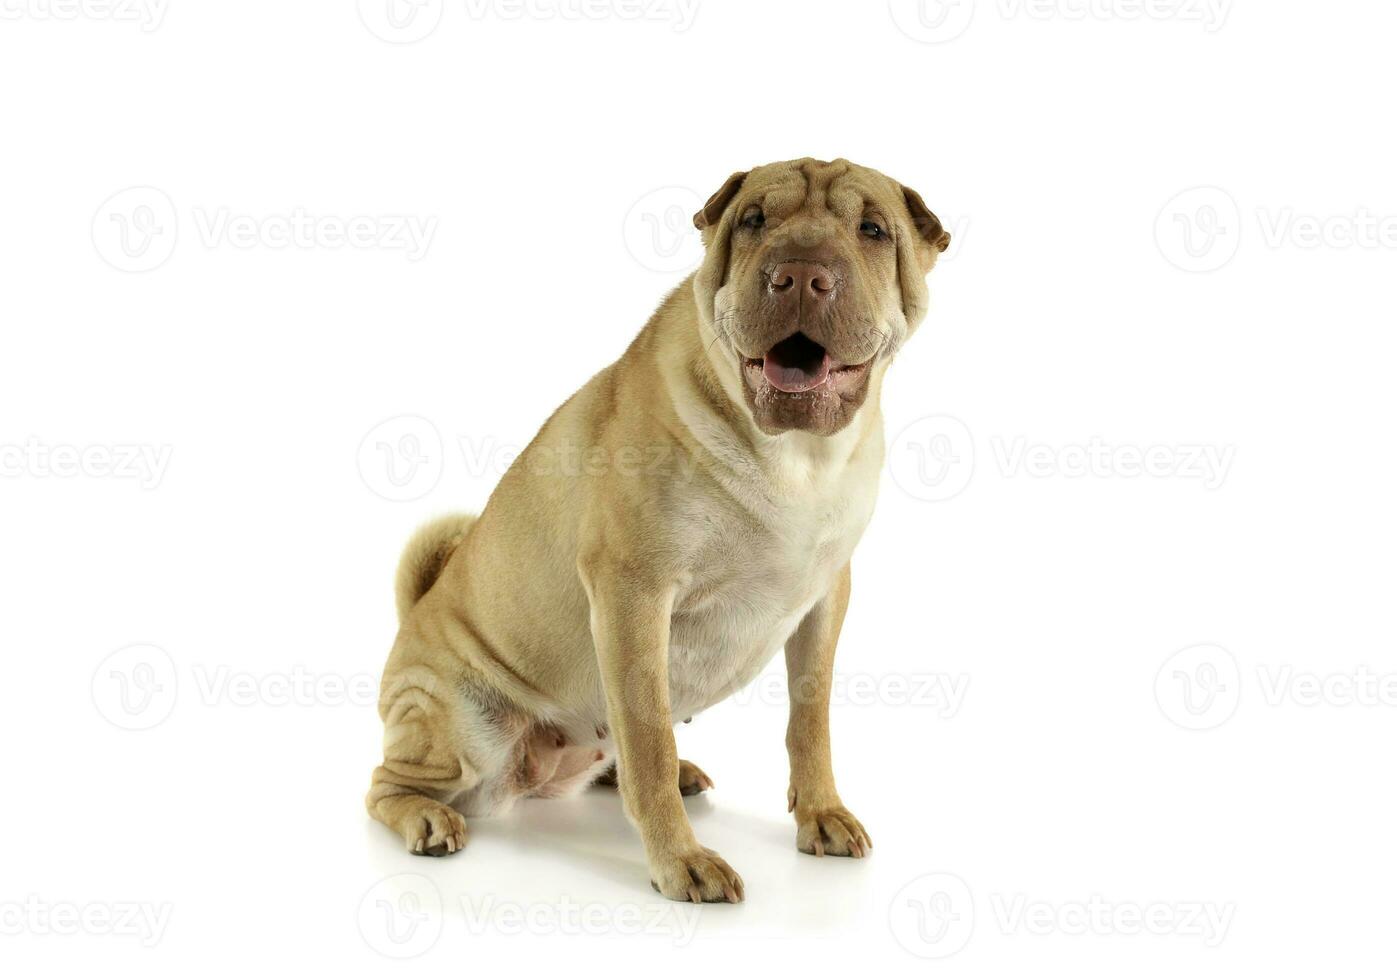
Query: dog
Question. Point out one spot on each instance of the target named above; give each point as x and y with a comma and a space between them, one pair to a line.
681, 518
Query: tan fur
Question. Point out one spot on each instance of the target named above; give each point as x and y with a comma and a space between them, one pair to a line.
672, 526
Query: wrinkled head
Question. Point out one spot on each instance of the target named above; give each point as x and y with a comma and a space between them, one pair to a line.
814, 275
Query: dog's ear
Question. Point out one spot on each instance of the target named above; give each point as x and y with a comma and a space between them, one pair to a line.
917, 253
716, 253
927, 224
712, 212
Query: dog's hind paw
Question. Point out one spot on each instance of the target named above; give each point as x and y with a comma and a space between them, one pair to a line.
692, 779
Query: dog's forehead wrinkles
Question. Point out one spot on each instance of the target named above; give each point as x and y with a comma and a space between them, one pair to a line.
813, 188
817, 181
778, 188
846, 200
785, 198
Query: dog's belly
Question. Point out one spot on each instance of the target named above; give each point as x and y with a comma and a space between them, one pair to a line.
723, 635
753, 587
708, 662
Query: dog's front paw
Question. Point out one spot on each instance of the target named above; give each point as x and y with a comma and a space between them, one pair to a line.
696, 875
830, 830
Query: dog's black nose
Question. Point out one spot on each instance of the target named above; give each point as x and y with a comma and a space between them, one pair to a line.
807, 280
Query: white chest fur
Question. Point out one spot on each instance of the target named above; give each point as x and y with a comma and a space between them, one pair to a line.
766, 564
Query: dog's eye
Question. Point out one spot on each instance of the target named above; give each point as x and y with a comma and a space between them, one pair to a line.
754, 219
872, 229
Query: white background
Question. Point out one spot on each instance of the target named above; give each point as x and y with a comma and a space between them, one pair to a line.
1155, 711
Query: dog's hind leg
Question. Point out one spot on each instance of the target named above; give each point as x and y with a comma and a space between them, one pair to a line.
425, 765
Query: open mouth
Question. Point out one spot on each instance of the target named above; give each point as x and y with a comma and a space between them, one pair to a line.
799, 364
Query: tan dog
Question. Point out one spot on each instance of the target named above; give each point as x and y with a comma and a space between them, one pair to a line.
685, 515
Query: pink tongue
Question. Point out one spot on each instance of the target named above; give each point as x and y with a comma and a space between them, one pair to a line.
794, 378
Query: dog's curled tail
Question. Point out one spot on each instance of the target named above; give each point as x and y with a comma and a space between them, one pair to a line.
425, 556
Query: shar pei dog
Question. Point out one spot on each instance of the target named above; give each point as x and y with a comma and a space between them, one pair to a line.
687, 513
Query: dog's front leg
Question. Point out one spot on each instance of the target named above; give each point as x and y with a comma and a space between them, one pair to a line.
630, 629
823, 825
